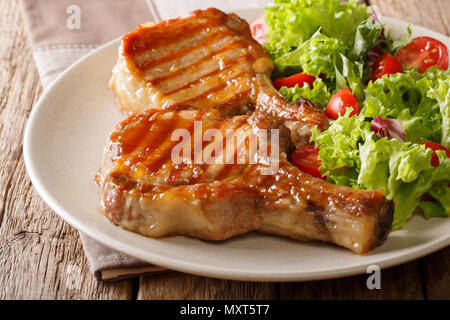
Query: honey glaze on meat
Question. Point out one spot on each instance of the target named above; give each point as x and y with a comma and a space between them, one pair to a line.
207, 60
144, 191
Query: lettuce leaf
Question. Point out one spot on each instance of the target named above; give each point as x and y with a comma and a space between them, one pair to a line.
442, 95
407, 195
319, 93
291, 22
441, 208
393, 46
352, 155
415, 100
367, 36
350, 75
339, 149
316, 56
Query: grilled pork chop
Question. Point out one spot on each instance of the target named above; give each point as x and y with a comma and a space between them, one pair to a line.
145, 191
208, 60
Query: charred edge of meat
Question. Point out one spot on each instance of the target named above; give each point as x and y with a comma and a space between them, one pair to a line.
385, 222
314, 105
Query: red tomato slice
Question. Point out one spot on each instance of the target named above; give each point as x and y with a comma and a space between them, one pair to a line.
306, 159
435, 146
299, 79
385, 64
422, 53
258, 28
338, 104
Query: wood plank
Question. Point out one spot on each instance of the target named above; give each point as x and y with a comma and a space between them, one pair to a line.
432, 14
402, 282
435, 270
179, 286
40, 255
444, 11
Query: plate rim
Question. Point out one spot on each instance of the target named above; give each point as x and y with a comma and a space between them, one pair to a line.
186, 266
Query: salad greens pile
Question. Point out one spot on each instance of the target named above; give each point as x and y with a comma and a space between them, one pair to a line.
322, 37
331, 40
352, 155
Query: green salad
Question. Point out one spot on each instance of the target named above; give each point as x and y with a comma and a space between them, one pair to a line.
388, 100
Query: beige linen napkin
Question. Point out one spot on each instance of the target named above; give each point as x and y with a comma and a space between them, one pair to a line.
62, 31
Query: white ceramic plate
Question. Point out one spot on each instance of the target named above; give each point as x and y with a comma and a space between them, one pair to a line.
63, 145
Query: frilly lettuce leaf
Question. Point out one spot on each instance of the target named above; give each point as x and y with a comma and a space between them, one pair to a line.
440, 208
319, 93
420, 101
291, 22
441, 93
339, 149
316, 56
367, 36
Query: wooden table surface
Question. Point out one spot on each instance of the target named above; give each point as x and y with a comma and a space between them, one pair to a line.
39, 252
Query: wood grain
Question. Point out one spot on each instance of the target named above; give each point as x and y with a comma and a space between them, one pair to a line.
402, 282
435, 270
433, 14
40, 255
174, 285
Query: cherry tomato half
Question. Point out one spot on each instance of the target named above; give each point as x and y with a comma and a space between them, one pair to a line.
435, 146
258, 28
306, 159
385, 64
299, 79
338, 104
422, 53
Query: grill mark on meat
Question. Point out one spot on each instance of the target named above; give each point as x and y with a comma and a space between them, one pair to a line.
151, 144
224, 64
227, 168
207, 168
234, 100
221, 171
193, 64
229, 66
166, 155
178, 46
215, 89
157, 37
155, 163
132, 140
178, 55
